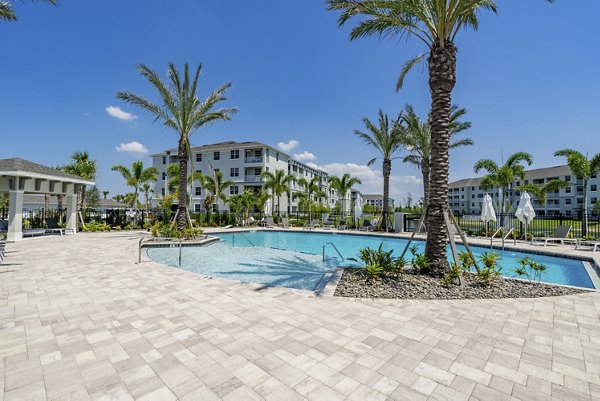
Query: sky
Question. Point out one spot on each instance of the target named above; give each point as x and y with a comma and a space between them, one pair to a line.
529, 78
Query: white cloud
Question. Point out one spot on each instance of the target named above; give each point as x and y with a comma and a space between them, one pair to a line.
286, 147
134, 148
116, 112
305, 156
372, 180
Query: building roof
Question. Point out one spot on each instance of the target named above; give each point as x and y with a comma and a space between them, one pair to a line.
38, 201
534, 174
20, 167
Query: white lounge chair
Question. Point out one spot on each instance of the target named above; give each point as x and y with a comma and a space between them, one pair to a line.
593, 245
366, 226
53, 227
328, 224
312, 225
561, 234
285, 223
343, 225
2, 251
269, 223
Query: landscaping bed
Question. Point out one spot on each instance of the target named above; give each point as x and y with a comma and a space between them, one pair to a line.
355, 283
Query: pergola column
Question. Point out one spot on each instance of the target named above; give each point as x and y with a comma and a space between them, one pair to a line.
71, 201
15, 215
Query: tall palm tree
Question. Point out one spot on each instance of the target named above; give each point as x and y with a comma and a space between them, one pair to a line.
7, 13
311, 189
172, 171
541, 191
216, 186
105, 194
260, 199
279, 183
503, 176
182, 111
137, 176
436, 23
416, 137
83, 167
343, 185
385, 138
583, 168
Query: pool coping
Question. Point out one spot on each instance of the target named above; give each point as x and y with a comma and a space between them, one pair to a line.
592, 266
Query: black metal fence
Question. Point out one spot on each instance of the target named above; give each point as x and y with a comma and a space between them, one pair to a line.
542, 226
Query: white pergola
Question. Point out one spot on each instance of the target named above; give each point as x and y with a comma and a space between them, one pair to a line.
18, 177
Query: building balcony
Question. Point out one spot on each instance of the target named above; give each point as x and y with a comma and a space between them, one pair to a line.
253, 178
253, 160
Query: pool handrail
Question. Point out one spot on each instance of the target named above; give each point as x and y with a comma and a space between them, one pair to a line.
147, 239
244, 236
334, 247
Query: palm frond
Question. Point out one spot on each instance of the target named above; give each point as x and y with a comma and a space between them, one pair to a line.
407, 67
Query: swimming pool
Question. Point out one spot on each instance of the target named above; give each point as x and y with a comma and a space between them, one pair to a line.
294, 259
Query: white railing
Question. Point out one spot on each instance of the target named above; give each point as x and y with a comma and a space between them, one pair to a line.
253, 178
253, 160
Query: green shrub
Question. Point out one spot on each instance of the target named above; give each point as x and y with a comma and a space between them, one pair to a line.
373, 271
165, 229
453, 274
26, 224
419, 261
378, 262
530, 269
191, 233
490, 270
93, 227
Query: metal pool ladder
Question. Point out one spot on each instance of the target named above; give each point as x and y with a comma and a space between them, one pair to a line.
504, 237
147, 239
334, 247
242, 235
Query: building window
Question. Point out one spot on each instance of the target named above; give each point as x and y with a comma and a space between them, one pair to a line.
277, 156
235, 154
593, 187
568, 190
234, 172
199, 171
567, 178
198, 157
234, 190
217, 170
594, 200
594, 175
164, 176
162, 191
217, 156
198, 191
164, 160
568, 201
197, 208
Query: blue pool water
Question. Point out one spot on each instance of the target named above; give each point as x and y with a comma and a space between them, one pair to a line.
294, 259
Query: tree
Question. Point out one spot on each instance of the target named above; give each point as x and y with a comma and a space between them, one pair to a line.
436, 23
416, 138
241, 204
386, 139
182, 111
541, 191
7, 13
310, 189
343, 185
279, 183
216, 186
583, 168
105, 194
83, 167
93, 197
260, 199
503, 176
136, 177
146, 189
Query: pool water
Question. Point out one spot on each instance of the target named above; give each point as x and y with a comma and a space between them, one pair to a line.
294, 259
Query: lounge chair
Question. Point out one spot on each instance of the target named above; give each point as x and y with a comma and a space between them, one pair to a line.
285, 223
328, 224
366, 226
3, 226
561, 234
312, 225
593, 245
343, 225
32, 232
269, 223
2, 251
53, 227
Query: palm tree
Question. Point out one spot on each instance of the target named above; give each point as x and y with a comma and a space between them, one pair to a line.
216, 186
83, 167
182, 111
386, 139
260, 199
105, 194
583, 168
146, 189
541, 191
7, 13
503, 176
416, 137
310, 189
172, 171
343, 185
242, 203
279, 183
436, 23
137, 176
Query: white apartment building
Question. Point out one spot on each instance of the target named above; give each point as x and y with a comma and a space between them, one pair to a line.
377, 201
466, 196
242, 163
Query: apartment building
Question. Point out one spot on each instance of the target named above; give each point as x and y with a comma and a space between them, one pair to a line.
243, 163
377, 201
466, 196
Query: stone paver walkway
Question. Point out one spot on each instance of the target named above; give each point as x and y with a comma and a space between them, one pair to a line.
79, 320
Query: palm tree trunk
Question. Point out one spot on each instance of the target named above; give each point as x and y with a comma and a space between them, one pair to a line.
442, 77
59, 204
46, 205
387, 170
182, 199
425, 171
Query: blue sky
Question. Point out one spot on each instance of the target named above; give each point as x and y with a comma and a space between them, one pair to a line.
529, 79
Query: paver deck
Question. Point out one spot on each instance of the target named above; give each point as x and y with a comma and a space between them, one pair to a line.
80, 320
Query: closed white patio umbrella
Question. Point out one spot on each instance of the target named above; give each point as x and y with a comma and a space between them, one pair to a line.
525, 212
487, 211
357, 209
268, 208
